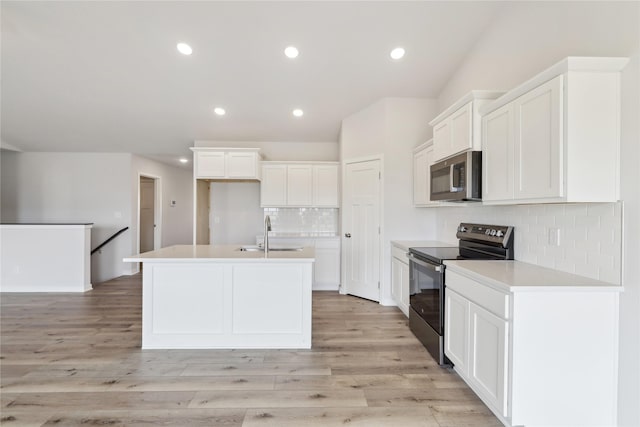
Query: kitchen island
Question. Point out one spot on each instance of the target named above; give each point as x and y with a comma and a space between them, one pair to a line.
202, 296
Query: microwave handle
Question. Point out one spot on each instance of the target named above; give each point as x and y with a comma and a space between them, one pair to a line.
453, 188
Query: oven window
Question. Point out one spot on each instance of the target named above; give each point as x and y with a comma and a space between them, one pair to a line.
426, 294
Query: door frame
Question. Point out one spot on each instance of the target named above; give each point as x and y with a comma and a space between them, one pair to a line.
157, 210
343, 256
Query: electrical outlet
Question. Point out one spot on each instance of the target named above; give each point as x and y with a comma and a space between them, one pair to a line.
554, 236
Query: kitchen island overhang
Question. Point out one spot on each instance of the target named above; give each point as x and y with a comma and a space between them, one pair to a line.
219, 297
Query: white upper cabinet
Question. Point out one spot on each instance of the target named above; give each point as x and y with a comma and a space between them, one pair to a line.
226, 163
299, 184
556, 138
458, 128
210, 164
422, 160
538, 147
461, 129
273, 188
325, 185
497, 154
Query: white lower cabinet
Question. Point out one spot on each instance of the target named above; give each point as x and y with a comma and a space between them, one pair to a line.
539, 353
487, 353
456, 337
400, 279
476, 343
326, 269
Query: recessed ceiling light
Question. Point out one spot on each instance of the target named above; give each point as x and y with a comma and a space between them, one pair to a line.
291, 52
298, 112
397, 53
184, 49
219, 111
183, 160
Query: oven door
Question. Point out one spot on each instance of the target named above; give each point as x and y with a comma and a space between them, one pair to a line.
426, 291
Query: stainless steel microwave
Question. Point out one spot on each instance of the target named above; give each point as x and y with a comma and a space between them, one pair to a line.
458, 178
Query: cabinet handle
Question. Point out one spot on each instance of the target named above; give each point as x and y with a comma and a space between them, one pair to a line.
347, 235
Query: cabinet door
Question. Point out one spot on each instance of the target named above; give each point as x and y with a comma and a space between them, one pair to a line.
396, 279
326, 270
299, 185
497, 154
211, 164
461, 129
539, 142
325, 185
273, 188
241, 165
456, 331
442, 140
488, 356
420, 178
404, 287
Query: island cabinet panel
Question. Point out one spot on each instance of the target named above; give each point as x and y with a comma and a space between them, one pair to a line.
174, 307
271, 294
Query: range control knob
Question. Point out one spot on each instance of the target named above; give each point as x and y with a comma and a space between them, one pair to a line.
499, 233
493, 232
462, 229
487, 232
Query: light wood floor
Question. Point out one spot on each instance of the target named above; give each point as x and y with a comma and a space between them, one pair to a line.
75, 359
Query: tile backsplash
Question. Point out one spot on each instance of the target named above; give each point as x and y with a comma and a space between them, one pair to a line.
582, 238
303, 220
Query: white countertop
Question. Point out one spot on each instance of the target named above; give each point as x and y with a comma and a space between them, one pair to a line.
406, 244
516, 276
220, 253
301, 235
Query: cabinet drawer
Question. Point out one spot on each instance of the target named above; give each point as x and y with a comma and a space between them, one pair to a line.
400, 254
491, 300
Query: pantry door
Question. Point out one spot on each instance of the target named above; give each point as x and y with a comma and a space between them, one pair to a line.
361, 229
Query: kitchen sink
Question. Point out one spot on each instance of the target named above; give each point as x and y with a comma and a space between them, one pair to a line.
275, 249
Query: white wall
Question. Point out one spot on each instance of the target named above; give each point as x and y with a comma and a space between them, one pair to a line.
392, 127
95, 187
235, 213
284, 151
73, 187
176, 184
524, 40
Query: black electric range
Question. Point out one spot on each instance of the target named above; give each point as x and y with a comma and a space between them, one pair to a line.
427, 278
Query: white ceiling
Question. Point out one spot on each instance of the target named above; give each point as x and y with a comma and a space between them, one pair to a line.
106, 76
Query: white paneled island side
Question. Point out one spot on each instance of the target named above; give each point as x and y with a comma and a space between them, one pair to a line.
219, 297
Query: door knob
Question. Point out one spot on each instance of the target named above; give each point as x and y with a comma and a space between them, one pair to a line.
347, 235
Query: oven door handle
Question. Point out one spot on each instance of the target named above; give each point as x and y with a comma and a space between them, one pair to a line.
412, 258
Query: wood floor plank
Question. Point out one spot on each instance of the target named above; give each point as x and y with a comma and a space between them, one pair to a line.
279, 399
144, 418
339, 417
75, 359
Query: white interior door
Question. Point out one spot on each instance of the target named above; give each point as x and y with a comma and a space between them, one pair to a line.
147, 214
361, 227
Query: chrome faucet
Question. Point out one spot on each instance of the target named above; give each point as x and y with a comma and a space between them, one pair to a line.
267, 229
